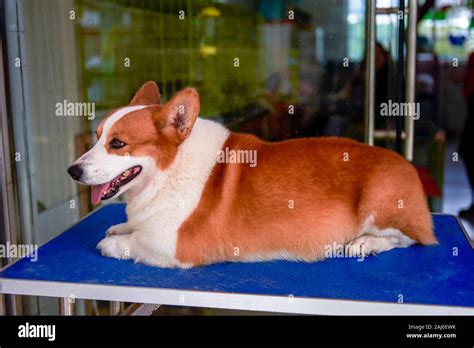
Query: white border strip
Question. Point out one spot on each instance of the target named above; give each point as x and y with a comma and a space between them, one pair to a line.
266, 303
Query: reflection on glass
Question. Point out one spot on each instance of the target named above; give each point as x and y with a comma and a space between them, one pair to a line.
273, 68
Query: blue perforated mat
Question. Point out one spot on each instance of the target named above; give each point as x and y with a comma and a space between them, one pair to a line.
423, 275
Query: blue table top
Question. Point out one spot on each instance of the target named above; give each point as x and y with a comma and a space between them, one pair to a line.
423, 275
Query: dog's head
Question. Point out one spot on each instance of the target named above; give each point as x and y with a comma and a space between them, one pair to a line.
135, 141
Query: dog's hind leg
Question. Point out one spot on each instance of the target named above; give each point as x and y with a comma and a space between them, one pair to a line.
375, 241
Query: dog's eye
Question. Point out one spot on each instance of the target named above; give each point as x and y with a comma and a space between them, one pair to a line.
116, 144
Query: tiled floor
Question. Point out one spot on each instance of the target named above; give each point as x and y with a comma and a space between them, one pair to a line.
457, 194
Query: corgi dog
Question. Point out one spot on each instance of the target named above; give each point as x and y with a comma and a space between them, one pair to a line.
189, 205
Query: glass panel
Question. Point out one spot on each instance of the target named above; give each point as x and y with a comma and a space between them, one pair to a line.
278, 69
273, 68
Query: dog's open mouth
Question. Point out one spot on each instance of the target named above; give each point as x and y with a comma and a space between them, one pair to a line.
111, 188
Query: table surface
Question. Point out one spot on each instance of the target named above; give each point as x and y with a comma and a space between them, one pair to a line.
440, 275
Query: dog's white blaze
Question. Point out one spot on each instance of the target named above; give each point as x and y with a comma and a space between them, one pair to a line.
117, 115
160, 201
100, 145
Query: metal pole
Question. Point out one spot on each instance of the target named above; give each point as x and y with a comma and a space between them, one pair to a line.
400, 90
67, 306
140, 309
410, 78
115, 308
370, 71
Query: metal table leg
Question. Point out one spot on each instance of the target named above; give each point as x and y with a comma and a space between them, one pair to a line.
116, 308
68, 305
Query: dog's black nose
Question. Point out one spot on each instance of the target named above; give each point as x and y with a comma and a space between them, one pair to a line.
75, 172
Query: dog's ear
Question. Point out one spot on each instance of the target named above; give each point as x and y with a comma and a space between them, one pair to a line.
147, 94
179, 114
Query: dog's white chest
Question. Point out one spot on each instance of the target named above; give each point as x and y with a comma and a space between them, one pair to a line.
157, 212
157, 224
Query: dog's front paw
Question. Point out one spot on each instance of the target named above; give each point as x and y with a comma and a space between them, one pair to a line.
117, 246
118, 229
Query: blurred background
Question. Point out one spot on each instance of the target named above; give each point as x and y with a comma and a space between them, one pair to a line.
279, 69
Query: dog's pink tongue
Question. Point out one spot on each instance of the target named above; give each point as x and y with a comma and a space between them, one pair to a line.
96, 192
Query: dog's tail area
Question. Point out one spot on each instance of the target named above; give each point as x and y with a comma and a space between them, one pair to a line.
397, 200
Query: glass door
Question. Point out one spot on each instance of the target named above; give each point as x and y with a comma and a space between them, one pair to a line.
42, 68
